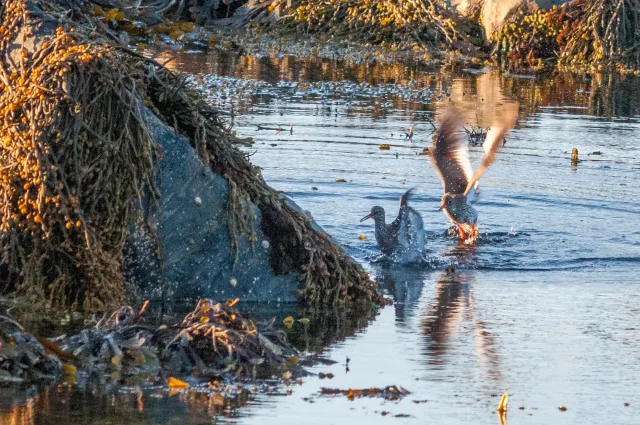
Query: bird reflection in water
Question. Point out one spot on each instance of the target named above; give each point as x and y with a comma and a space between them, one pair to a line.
405, 284
451, 314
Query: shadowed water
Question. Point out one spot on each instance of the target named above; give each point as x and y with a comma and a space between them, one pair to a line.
545, 306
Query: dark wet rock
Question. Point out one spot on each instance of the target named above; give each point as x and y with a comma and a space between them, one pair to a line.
189, 220
22, 358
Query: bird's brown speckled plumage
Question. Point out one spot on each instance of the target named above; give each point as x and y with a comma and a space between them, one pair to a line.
450, 159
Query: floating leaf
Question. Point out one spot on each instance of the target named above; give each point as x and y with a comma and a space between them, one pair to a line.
304, 321
384, 147
287, 375
177, 383
362, 237
504, 402
340, 181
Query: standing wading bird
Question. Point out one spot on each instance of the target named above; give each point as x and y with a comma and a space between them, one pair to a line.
450, 159
403, 238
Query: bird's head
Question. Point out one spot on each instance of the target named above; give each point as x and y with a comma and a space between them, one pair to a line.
377, 214
452, 202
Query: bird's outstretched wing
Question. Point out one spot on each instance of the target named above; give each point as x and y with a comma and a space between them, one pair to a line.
493, 142
410, 231
450, 156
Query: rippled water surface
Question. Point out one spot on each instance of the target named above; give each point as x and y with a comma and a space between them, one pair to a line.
545, 307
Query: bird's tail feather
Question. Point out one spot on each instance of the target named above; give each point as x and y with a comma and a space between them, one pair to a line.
404, 200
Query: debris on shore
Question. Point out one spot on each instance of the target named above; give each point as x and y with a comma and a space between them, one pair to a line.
23, 358
214, 341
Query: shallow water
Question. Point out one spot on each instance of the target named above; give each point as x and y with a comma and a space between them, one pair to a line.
545, 307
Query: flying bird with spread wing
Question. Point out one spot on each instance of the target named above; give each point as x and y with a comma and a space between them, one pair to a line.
450, 159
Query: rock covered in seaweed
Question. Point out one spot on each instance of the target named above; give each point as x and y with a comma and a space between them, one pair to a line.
85, 169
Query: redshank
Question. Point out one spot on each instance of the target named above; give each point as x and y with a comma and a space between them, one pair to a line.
403, 238
450, 159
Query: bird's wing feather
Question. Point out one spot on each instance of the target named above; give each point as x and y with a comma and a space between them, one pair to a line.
493, 142
410, 236
450, 156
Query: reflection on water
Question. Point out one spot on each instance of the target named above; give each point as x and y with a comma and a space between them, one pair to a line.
544, 306
125, 406
441, 322
599, 94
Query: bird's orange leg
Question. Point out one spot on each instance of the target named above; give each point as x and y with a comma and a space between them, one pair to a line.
474, 230
462, 235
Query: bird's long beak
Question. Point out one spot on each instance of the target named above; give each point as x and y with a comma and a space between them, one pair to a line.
366, 217
441, 207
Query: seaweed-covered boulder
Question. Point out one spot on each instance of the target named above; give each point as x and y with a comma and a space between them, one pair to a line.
495, 13
115, 173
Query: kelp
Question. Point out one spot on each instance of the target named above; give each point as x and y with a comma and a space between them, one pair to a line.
214, 340
582, 35
600, 33
77, 158
400, 24
75, 155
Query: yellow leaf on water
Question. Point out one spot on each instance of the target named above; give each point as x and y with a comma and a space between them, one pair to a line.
177, 383
504, 402
362, 237
340, 181
304, 321
288, 321
384, 147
